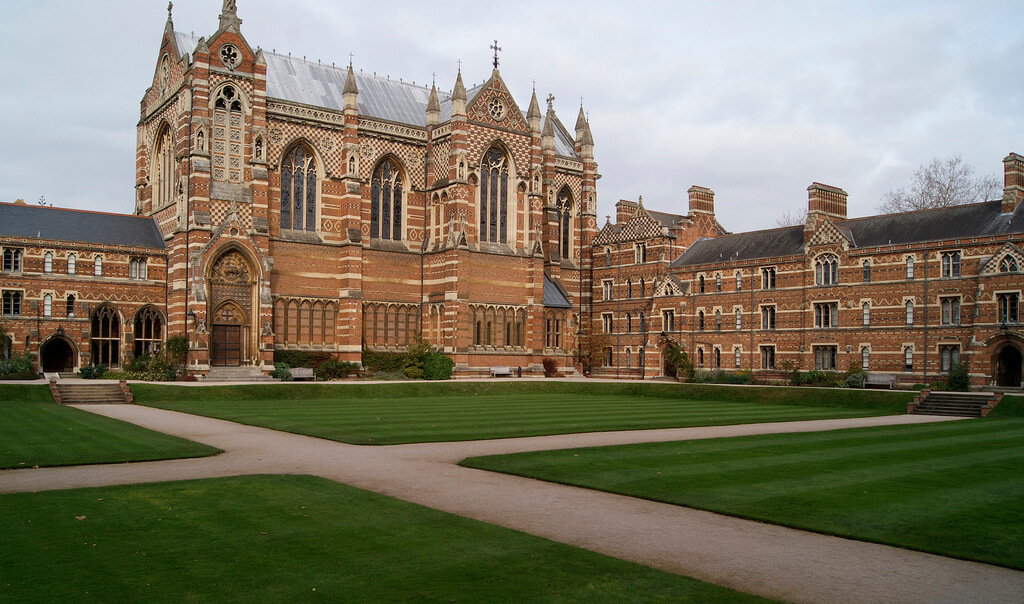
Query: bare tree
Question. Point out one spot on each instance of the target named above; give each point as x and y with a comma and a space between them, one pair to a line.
941, 184
792, 218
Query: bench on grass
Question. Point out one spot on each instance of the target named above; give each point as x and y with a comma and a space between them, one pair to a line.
880, 380
302, 373
501, 371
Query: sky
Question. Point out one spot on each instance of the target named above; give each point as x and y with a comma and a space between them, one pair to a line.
753, 99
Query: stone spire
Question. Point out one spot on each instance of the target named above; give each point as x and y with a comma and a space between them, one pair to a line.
548, 134
533, 115
433, 107
350, 91
581, 124
459, 96
229, 16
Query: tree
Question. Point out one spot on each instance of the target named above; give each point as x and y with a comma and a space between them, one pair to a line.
5, 341
940, 184
592, 349
792, 218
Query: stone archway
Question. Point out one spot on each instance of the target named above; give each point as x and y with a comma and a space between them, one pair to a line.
1007, 367
231, 303
57, 354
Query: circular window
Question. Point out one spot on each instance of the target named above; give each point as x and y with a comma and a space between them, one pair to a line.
230, 56
497, 109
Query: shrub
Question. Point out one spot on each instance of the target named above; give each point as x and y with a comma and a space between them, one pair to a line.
820, 378
383, 362
550, 366
92, 372
20, 375
177, 350
281, 372
437, 366
679, 360
703, 377
301, 358
333, 369
20, 364
855, 380
958, 379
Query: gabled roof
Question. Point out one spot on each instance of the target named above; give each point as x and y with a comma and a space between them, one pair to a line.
81, 226
298, 80
957, 222
553, 296
641, 226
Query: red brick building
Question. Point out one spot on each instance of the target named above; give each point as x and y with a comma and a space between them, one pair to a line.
909, 294
313, 207
81, 288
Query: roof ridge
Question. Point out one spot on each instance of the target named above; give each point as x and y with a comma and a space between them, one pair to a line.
39, 207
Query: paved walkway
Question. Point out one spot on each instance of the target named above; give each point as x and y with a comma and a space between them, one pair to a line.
749, 556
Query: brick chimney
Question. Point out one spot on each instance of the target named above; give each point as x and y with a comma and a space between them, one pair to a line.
702, 200
624, 210
823, 201
1013, 182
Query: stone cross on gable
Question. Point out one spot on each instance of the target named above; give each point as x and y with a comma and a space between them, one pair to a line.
496, 49
551, 101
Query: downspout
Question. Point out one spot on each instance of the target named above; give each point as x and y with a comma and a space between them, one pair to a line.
752, 315
924, 358
423, 246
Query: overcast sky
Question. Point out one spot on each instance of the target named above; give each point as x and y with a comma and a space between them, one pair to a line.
754, 99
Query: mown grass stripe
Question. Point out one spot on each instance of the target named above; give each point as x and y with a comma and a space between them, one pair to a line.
953, 488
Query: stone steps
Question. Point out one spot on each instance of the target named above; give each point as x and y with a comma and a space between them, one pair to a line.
86, 394
237, 374
955, 404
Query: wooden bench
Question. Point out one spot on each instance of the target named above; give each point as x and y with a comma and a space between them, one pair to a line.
880, 380
501, 371
302, 373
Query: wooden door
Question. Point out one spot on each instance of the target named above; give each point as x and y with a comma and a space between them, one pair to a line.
227, 345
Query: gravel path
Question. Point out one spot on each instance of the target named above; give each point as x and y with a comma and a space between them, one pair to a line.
753, 557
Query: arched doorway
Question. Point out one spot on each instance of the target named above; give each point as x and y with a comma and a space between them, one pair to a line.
669, 366
1008, 367
231, 304
228, 338
57, 354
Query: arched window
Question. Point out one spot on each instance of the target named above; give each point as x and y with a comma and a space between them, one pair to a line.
739, 319
69, 306
12, 260
716, 358
908, 359
643, 289
718, 320
494, 174
826, 270
1008, 265
71, 264
739, 281
718, 282
48, 262
700, 320
298, 190
97, 266
700, 357
700, 284
866, 272
227, 135
149, 331
629, 288
386, 201
739, 355
105, 337
910, 312
163, 168
47, 305
564, 210
865, 310
607, 256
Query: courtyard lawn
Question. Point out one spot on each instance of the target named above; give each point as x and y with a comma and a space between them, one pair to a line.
35, 431
953, 488
423, 412
295, 538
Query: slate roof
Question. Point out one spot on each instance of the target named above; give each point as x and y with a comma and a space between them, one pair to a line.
553, 296
81, 226
957, 222
665, 218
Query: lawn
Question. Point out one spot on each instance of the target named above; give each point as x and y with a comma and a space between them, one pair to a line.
954, 488
423, 412
36, 431
295, 538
